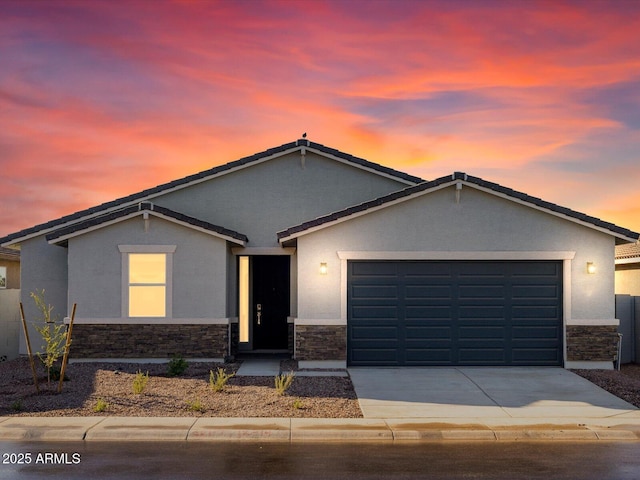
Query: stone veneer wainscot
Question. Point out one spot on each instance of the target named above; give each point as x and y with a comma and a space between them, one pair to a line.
149, 341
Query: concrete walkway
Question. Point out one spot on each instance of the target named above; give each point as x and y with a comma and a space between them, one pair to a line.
398, 404
263, 367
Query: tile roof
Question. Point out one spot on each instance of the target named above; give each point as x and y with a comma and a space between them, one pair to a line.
145, 194
451, 179
64, 232
628, 250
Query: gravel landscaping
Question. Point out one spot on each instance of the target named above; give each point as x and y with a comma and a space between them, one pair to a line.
624, 383
111, 385
186, 395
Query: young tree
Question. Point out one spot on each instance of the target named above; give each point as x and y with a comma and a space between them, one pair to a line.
54, 335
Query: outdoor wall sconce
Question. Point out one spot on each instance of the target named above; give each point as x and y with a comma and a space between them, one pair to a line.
591, 267
323, 268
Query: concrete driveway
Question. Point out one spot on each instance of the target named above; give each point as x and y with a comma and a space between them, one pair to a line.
483, 392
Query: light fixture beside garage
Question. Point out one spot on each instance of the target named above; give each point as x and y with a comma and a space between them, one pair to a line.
323, 268
591, 267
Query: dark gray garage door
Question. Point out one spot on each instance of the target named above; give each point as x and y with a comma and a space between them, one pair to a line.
454, 313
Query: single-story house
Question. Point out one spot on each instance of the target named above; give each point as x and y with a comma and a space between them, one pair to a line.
338, 261
9, 268
628, 269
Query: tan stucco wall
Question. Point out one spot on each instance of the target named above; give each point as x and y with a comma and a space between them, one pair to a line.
628, 279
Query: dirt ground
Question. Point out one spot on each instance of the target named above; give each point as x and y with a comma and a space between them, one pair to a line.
186, 395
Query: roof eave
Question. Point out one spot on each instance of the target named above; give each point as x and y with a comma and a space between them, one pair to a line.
63, 239
456, 178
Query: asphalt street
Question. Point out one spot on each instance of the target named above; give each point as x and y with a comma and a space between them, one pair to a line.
497, 460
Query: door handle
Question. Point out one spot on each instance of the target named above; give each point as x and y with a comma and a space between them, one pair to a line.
259, 314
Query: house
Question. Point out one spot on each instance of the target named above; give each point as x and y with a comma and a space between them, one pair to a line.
9, 298
9, 268
628, 269
336, 260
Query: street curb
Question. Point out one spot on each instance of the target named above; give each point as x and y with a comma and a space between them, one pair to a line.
294, 430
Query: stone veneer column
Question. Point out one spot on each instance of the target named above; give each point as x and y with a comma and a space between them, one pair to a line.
321, 342
592, 343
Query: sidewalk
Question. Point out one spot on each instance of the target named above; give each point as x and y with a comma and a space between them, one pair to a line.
152, 429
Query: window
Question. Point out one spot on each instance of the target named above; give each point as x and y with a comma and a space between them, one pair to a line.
147, 284
147, 280
3, 277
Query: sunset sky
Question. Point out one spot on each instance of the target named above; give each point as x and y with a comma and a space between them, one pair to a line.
102, 99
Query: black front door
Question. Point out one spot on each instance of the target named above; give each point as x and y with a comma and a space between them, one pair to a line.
270, 286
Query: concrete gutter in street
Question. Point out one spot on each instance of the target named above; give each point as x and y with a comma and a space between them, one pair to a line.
293, 430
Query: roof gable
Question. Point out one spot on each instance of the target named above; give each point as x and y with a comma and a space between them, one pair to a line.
62, 235
304, 146
459, 179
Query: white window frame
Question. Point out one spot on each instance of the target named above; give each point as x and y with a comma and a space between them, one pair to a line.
3, 274
168, 250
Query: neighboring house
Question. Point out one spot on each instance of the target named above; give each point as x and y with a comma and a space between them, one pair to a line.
9, 268
9, 301
337, 260
628, 269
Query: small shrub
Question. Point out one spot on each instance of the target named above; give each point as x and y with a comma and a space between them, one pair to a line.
177, 366
283, 382
218, 380
100, 406
17, 406
54, 374
140, 382
297, 404
196, 405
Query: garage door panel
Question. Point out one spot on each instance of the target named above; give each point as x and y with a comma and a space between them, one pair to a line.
455, 312
389, 332
375, 292
541, 356
534, 312
370, 356
534, 291
432, 356
374, 311
550, 331
482, 333
484, 356
433, 292
426, 333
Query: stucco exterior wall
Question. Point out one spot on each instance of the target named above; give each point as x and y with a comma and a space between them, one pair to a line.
199, 269
628, 279
480, 222
42, 266
261, 200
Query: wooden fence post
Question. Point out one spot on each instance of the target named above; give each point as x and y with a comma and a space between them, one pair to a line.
65, 357
26, 336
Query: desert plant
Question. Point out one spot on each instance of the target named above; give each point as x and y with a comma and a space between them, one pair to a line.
283, 382
195, 405
177, 366
140, 382
100, 406
297, 404
16, 406
218, 380
54, 335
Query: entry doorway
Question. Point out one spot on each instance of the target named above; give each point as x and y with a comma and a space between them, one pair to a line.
264, 302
